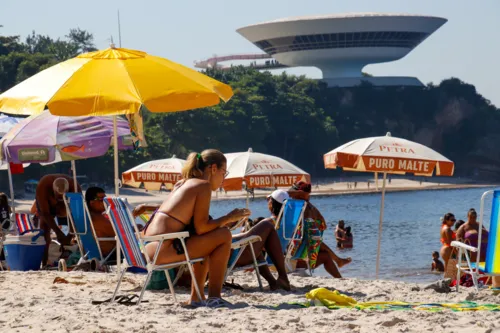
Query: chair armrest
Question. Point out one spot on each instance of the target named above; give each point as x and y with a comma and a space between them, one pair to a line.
463, 246
106, 239
245, 241
172, 235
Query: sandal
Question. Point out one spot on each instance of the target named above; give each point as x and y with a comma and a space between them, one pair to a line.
123, 299
216, 302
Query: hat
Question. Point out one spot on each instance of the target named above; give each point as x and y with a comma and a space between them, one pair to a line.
279, 195
302, 186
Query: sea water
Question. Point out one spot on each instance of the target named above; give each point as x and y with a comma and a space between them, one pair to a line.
410, 229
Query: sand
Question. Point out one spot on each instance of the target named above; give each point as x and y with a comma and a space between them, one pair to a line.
30, 302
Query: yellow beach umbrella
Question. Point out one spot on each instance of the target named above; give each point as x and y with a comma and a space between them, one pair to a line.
114, 81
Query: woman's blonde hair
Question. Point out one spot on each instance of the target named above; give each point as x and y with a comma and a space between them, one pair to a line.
197, 162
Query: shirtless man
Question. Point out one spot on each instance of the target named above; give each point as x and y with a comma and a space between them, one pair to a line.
326, 256
49, 202
94, 196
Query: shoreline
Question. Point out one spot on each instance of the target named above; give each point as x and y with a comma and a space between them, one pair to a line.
138, 196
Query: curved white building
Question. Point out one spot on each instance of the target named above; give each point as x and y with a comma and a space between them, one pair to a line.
341, 45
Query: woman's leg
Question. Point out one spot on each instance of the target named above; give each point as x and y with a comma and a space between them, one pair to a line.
271, 243
445, 254
325, 259
339, 261
214, 245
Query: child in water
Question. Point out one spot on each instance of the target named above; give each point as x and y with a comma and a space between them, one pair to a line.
348, 239
437, 265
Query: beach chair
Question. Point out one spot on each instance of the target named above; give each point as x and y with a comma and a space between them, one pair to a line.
238, 247
491, 265
291, 232
23, 223
132, 245
83, 229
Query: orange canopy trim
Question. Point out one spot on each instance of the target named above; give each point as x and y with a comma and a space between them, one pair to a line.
389, 164
152, 177
266, 181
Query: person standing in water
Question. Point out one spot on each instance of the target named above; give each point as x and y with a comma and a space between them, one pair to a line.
447, 236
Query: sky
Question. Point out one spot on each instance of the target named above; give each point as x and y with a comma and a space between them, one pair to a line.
466, 47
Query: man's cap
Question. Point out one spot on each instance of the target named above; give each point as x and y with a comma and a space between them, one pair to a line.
279, 195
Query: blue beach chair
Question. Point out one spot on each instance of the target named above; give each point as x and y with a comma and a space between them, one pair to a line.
291, 231
491, 265
83, 229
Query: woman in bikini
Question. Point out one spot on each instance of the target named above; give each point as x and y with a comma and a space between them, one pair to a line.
186, 209
447, 236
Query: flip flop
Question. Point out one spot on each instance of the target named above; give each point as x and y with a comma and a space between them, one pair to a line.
122, 299
216, 302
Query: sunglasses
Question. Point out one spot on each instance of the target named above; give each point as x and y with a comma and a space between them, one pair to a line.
99, 199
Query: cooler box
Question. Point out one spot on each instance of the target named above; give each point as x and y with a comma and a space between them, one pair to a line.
25, 253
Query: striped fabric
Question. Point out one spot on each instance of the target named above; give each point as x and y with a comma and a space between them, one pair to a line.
120, 216
23, 223
492, 263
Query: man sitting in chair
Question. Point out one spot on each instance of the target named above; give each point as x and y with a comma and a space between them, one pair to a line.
94, 197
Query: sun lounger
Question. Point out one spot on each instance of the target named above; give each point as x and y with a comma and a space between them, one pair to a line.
133, 245
83, 229
291, 231
491, 265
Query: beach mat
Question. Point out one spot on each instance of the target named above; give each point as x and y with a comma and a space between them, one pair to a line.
334, 300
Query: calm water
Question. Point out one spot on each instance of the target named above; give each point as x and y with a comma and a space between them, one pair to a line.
410, 234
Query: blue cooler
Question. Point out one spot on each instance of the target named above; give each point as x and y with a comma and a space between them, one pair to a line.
25, 252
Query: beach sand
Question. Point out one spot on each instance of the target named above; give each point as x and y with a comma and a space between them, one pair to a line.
30, 302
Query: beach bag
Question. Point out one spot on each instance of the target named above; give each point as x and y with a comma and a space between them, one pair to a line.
450, 271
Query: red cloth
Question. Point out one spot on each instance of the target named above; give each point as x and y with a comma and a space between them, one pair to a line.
16, 169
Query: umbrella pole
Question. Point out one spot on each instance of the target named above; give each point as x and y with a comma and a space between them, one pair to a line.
115, 155
73, 169
11, 188
248, 199
380, 225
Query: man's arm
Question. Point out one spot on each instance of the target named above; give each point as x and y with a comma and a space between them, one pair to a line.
46, 217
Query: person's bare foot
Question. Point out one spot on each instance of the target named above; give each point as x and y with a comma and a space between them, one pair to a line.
344, 261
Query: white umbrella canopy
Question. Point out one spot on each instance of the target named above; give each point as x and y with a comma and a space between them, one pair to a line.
387, 154
260, 171
154, 174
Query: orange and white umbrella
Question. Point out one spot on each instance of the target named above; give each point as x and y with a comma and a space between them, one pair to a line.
387, 154
154, 174
260, 171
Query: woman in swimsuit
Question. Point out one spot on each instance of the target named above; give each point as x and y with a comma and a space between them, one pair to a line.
447, 236
186, 209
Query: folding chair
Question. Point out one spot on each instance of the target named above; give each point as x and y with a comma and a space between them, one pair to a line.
83, 229
23, 223
291, 231
491, 265
238, 247
133, 246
